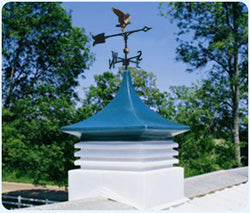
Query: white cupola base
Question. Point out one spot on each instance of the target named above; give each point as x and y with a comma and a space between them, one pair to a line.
137, 173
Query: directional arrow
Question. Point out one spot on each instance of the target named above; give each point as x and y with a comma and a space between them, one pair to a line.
100, 38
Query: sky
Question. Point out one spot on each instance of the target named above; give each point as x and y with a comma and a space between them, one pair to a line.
158, 45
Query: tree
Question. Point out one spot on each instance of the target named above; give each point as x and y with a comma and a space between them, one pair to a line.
41, 46
219, 31
207, 146
43, 56
33, 145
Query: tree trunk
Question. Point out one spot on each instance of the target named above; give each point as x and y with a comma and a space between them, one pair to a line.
235, 130
236, 89
7, 99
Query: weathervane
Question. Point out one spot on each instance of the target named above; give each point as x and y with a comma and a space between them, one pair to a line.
123, 20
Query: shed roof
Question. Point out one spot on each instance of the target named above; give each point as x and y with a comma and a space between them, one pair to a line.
126, 117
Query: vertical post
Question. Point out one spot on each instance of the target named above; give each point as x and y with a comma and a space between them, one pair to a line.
19, 198
46, 201
125, 35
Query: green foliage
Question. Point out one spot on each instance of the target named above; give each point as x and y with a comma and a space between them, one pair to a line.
32, 140
219, 30
99, 95
20, 177
207, 146
41, 46
219, 44
43, 56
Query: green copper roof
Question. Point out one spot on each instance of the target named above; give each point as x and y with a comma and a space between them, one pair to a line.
126, 117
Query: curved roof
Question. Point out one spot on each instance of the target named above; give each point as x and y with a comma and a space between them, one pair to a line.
126, 117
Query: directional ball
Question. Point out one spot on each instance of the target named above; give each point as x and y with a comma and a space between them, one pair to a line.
126, 50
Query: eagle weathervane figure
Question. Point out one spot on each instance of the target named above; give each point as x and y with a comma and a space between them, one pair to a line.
122, 18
